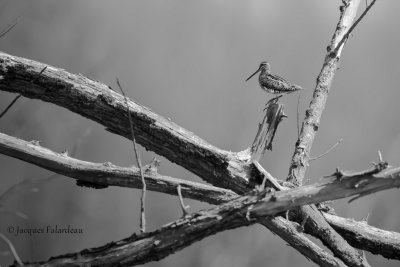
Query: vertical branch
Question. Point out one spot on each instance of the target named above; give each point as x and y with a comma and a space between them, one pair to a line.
139, 163
312, 119
301, 155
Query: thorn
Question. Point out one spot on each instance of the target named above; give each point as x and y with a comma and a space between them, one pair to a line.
108, 164
184, 208
152, 167
35, 142
338, 174
365, 219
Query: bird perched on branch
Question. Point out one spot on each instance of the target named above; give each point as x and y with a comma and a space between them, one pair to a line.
272, 83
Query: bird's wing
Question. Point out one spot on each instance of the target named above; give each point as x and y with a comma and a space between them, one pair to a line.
278, 78
277, 82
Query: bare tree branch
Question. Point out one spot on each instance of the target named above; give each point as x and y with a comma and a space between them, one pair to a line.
358, 234
310, 125
108, 174
366, 237
241, 211
18, 96
292, 235
98, 102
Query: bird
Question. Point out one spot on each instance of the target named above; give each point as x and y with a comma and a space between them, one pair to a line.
273, 83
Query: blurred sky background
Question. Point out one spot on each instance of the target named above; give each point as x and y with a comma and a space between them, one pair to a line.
187, 60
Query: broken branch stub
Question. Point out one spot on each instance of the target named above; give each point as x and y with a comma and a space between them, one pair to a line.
267, 129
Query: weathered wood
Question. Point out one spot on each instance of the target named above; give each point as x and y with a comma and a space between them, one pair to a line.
241, 211
267, 129
98, 102
358, 234
108, 174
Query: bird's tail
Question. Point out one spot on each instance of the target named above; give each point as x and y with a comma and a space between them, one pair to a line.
296, 87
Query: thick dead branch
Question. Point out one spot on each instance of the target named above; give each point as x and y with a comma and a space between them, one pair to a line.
242, 211
366, 237
303, 244
98, 102
107, 174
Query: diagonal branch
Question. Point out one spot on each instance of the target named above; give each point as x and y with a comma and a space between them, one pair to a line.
366, 237
242, 211
96, 101
301, 155
99, 103
358, 234
312, 119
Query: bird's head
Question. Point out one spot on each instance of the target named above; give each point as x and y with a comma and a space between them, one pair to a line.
264, 67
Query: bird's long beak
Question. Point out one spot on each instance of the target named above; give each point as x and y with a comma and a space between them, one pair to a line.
253, 74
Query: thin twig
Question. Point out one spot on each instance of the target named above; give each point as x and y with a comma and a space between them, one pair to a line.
9, 27
303, 222
12, 248
138, 161
329, 150
298, 120
183, 206
18, 96
10, 105
353, 26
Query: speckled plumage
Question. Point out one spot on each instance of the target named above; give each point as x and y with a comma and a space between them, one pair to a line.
272, 83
